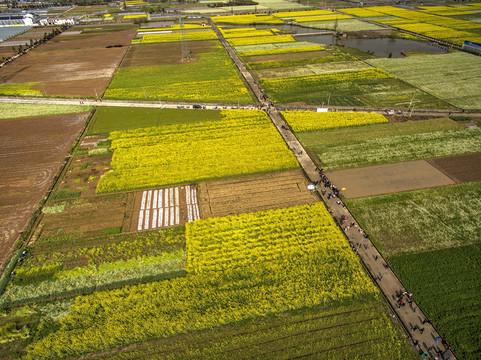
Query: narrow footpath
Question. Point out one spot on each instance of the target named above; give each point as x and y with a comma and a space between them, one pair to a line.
424, 337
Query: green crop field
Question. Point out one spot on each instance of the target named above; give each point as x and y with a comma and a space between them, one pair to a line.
431, 238
107, 119
14, 110
421, 220
453, 78
212, 78
446, 284
385, 143
80, 263
312, 69
365, 87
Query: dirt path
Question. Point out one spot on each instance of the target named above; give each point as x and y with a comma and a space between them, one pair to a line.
411, 317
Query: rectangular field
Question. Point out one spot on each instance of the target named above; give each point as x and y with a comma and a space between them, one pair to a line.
386, 143
209, 77
388, 178
451, 77
254, 193
421, 220
258, 266
186, 153
445, 284
76, 65
31, 152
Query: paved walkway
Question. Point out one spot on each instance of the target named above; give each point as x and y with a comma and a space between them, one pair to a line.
423, 335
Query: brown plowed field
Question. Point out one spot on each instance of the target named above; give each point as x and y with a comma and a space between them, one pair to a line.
460, 168
86, 214
31, 152
90, 38
76, 66
388, 178
148, 54
254, 193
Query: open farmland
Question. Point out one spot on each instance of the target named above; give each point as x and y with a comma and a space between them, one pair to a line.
461, 168
431, 238
108, 119
242, 142
388, 178
69, 65
448, 292
423, 219
356, 87
272, 279
64, 266
385, 143
254, 193
8, 47
209, 77
451, 77
315, 332
342, 25
32, 150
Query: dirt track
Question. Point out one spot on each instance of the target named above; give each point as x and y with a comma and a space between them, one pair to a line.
31, 152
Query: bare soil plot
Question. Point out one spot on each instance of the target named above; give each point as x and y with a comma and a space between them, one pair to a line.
85, 215
162, 53
254, 193
31, 152
461, 168
388, 178
75, 67
89, 39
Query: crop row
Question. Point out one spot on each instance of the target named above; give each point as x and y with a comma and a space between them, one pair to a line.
309, 120
325, 79
173, 37
291, 14
281, 50
247, 19
248, 32
321, 18
346, 331
401, 148
261, 40
299, 62
11, 110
